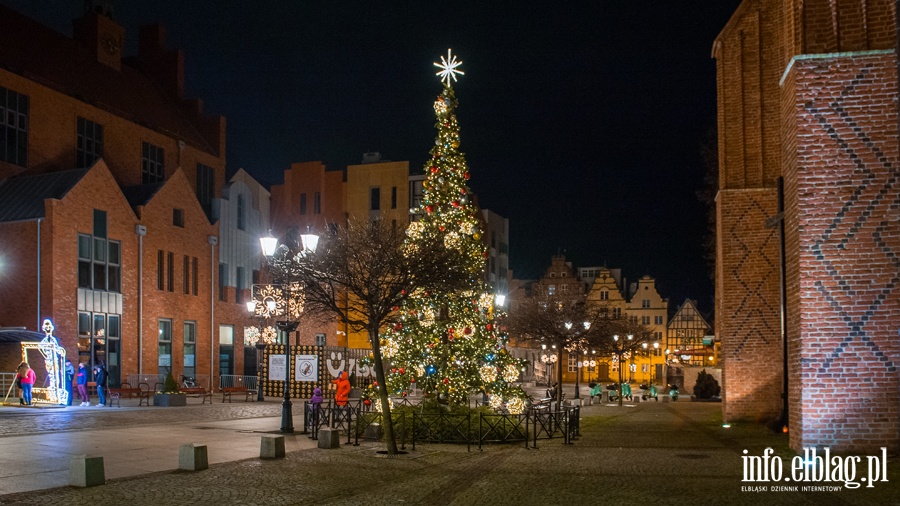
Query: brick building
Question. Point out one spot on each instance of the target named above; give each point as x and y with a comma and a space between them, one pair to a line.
108, 176
808, 93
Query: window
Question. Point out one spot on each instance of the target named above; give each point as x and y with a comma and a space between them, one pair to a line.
240, 212
186, 275
393, 197
88, 143
178, 217
645, 320
165, 347
226, 349
170, 274
617, 312
573, 363
99, 264
658, 320
375, 199
13, 127
238, 284
320, 339
152, 163
190, 349
205, 186
551, 289
302, 203
223, 277
564, 288
194, 276
160, 270
317, 203
604, 295
645, 303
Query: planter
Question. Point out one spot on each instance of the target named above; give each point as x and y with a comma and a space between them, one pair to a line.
168, 400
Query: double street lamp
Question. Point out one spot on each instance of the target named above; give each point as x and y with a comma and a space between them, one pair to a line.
283, 301
576, 346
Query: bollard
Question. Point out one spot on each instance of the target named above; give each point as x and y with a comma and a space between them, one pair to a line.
329, 438
373, 431
271, 447
86, 471
192, 457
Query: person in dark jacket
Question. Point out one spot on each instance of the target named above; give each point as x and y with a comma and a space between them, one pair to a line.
101, 376
70, 377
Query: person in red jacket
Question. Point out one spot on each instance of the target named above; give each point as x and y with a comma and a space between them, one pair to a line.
343, 389
26, 374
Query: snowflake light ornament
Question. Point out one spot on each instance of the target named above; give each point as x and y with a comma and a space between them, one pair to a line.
448, 68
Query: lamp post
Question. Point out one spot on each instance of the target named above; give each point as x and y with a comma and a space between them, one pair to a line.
284, 302
576, 349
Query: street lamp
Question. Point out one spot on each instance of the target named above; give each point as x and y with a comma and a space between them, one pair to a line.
284, 302
258, 337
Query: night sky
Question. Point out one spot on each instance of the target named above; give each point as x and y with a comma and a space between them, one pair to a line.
582, 124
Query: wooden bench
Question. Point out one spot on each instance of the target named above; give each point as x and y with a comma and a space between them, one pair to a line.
227, 391
126, 391
197, 392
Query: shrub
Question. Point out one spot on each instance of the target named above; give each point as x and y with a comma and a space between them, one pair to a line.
706, 387
171, 386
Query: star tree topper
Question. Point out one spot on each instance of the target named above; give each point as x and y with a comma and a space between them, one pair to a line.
448, 68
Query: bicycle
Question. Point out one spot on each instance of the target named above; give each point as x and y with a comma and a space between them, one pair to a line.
188, 382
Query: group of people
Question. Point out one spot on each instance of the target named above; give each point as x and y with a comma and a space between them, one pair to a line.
25, 379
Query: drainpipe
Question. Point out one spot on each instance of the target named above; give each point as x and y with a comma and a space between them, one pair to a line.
141, 231
39, 323
213, 240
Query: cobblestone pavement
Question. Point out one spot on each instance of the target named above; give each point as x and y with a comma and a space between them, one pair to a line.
644, 454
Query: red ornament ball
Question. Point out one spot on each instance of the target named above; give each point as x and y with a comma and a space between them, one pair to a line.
429, 209
375, 384
446, 381
434, 170
489, 327
404, 393
398, 326
468, 330
402, 370
455, 203
367, 402
467, 175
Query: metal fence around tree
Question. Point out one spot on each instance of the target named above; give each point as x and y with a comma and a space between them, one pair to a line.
413, 425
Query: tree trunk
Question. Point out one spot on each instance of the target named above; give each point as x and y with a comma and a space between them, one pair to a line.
559, 371
386, 420
619, 387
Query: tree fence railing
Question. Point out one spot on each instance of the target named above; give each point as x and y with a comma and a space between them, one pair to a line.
358, 421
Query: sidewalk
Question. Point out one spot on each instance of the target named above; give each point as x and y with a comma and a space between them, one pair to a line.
646, 453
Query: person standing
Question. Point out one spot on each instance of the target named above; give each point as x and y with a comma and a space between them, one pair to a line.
342, 395
70, 377
25, 374
101, 376
81, 378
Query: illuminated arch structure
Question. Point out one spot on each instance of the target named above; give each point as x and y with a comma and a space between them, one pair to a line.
55, 364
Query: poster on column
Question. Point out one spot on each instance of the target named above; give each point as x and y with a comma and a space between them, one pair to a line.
306, 368
277, 367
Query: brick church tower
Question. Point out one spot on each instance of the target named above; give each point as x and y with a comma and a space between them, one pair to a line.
807, 99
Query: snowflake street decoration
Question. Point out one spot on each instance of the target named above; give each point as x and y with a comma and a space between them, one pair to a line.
448, 68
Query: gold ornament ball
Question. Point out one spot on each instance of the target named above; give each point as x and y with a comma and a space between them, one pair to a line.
476, 236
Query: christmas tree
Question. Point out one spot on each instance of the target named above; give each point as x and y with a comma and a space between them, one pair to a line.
451, 344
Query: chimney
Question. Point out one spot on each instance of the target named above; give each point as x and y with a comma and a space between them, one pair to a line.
99, 34
165, 66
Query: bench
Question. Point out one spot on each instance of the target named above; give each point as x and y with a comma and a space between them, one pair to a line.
246, 392
197, 392
126, 391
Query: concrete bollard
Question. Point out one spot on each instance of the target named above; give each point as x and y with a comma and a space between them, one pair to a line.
86, 471
271, 447
329, 439
192, 457
373, 431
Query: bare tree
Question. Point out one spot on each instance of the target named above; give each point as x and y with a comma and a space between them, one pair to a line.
362, 273
621, 338
556, 323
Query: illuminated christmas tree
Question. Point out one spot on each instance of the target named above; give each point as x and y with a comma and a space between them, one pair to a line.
451, 344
